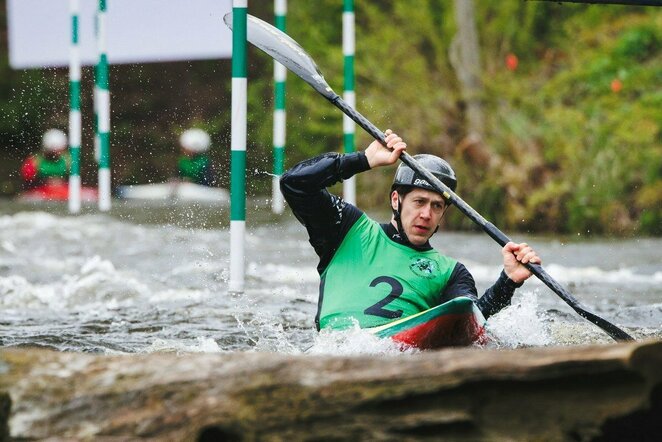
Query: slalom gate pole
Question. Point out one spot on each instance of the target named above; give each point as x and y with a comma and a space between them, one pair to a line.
238, 147
74, 109
102, 96
280, 75
348, 48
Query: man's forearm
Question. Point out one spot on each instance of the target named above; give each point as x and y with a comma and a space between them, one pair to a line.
315, 174
498, 296
327, 218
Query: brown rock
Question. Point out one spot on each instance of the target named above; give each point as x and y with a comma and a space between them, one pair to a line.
559, 393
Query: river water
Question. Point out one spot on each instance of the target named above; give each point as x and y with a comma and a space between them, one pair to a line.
154, 278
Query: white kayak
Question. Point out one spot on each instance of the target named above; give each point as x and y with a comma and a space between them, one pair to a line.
174, 191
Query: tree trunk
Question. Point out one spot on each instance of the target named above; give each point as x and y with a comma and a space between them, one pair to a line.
600, 392
465, 58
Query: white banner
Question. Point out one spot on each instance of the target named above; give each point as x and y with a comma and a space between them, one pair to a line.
138, 31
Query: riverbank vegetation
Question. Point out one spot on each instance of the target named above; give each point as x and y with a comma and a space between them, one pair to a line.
569, 137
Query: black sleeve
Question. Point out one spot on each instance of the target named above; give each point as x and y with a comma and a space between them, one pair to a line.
498, 296
327, 217
461, 283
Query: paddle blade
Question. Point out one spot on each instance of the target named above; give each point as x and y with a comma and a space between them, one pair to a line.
284, 50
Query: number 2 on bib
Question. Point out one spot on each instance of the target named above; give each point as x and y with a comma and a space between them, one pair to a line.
378, 308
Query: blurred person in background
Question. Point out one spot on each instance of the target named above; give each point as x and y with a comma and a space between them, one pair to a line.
50, 166
194, 164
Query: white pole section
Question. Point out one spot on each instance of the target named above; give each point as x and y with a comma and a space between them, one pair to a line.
348, 45
280, 75
238, 147
74, 110
103, 108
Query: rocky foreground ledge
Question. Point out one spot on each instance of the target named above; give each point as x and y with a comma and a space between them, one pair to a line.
611, 392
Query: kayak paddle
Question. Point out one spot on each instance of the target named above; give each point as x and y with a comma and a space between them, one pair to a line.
290, 54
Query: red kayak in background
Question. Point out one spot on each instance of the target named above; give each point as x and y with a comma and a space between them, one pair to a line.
57, 192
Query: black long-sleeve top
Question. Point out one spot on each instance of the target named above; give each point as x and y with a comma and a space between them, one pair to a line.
328, 218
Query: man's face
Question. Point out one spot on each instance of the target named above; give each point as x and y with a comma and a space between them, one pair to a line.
420, 214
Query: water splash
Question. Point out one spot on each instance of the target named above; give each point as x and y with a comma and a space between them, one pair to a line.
520, 325
355, 341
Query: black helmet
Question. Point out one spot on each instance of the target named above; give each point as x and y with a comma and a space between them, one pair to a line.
405, 175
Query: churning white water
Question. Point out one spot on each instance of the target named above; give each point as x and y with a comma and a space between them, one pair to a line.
155, 278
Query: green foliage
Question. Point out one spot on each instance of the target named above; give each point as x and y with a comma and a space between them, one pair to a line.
638, 43
583, 126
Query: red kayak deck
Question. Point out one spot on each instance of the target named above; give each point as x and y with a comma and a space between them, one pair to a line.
457, 322
57, 192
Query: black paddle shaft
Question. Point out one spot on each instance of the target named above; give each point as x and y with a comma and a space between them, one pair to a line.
489, 228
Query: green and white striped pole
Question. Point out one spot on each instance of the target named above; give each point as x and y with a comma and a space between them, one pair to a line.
280, 75
238, 147
74, 110
348, 45
102, 96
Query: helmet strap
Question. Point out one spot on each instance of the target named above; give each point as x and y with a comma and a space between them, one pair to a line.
442, 217
398, 222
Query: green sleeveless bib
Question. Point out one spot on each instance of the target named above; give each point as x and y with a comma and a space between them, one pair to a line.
193, 168
53, 168
372, 280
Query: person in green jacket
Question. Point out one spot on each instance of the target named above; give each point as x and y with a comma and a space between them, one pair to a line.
194, 164
50, 166
373, 273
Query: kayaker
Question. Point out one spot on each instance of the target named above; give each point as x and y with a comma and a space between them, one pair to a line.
51, 165
194, 164
374, 273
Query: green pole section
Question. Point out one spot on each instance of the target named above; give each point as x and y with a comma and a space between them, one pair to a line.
280, 75
74, 110
349, 127
238, 147
103, 109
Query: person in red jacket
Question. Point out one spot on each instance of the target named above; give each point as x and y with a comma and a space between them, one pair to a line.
51, 165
